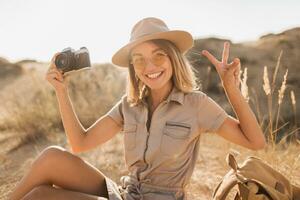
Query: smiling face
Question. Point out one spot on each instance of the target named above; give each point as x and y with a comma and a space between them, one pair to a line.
152, 65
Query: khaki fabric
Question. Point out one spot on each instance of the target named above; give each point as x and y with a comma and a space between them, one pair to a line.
256, 180
163, 158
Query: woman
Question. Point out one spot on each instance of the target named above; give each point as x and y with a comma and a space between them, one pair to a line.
161, 117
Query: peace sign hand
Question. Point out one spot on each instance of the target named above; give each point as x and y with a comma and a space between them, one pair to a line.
229, 73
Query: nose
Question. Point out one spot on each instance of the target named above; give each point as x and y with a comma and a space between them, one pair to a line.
149, 64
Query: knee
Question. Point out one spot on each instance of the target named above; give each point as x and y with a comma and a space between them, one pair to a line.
52, 150
37, 192
49, 155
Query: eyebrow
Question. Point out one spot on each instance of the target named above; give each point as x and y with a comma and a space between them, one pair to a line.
138, 54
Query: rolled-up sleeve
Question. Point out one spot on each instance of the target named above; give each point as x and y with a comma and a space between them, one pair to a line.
211, 115
116, 112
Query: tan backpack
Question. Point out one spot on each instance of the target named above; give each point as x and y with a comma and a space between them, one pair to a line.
256, 181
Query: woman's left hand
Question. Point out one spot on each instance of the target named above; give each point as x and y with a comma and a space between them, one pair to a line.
228, 72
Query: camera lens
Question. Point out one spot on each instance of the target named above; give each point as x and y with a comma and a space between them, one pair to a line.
62, 61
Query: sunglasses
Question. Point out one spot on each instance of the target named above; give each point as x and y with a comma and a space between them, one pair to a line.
158, 59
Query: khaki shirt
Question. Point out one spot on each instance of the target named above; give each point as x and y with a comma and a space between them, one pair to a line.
161, 161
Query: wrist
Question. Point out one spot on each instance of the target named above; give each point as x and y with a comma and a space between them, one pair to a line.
61, 91
229, 85
229, 88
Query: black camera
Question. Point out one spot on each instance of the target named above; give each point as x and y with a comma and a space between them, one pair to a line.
69, 59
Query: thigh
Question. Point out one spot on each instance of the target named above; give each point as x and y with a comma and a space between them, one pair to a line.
69, 171
47, 192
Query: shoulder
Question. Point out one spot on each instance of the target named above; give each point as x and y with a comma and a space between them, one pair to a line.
125, 103
122, 99
196, 96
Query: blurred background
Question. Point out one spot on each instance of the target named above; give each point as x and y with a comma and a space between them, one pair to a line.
265, 35
36, 29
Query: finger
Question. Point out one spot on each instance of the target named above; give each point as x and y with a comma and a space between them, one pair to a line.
55, 55
52, 70
61, 71
210, 57
234, 64
236, 73
225, 52
238, 69
52, 64
56, 75
51, 77
60, 76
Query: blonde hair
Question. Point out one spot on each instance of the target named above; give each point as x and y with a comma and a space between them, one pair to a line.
183, 76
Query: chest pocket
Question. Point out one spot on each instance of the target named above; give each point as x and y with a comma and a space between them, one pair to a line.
175, 136
130, 131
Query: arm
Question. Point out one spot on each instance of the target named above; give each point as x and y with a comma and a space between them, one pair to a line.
245, 131
82, 139
79, 138
74, 130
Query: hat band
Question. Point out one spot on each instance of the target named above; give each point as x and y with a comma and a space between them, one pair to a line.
137, 36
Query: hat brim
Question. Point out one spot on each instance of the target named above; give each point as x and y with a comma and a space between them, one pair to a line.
182, 39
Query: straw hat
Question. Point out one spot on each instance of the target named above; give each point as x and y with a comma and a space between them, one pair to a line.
152, 28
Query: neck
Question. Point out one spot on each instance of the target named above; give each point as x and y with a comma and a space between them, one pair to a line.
159, 95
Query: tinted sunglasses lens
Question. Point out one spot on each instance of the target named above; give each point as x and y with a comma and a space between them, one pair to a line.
158, 59
139, 62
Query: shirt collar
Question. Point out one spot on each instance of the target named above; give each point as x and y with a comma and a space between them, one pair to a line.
175, 95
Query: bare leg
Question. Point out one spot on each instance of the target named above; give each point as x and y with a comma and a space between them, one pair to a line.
47, 192
56, 166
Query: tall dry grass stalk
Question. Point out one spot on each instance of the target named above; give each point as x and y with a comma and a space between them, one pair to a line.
293, 100
280, 98
268, 92
276, 70
244, 87
282, 88
208, 75
266, 85
257, 107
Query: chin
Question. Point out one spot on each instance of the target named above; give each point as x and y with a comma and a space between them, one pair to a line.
156, 86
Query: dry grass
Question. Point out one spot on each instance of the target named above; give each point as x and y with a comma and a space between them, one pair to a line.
30, 121
30, 107
272, 132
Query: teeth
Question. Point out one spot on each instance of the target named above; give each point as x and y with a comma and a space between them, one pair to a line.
155, 75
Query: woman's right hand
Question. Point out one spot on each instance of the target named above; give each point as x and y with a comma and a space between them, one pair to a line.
55, 76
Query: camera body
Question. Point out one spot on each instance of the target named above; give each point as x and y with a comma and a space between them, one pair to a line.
69, 59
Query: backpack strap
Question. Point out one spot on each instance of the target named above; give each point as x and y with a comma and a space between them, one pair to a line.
296, 192
244, 191
225, 186
232, 162
229, 181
